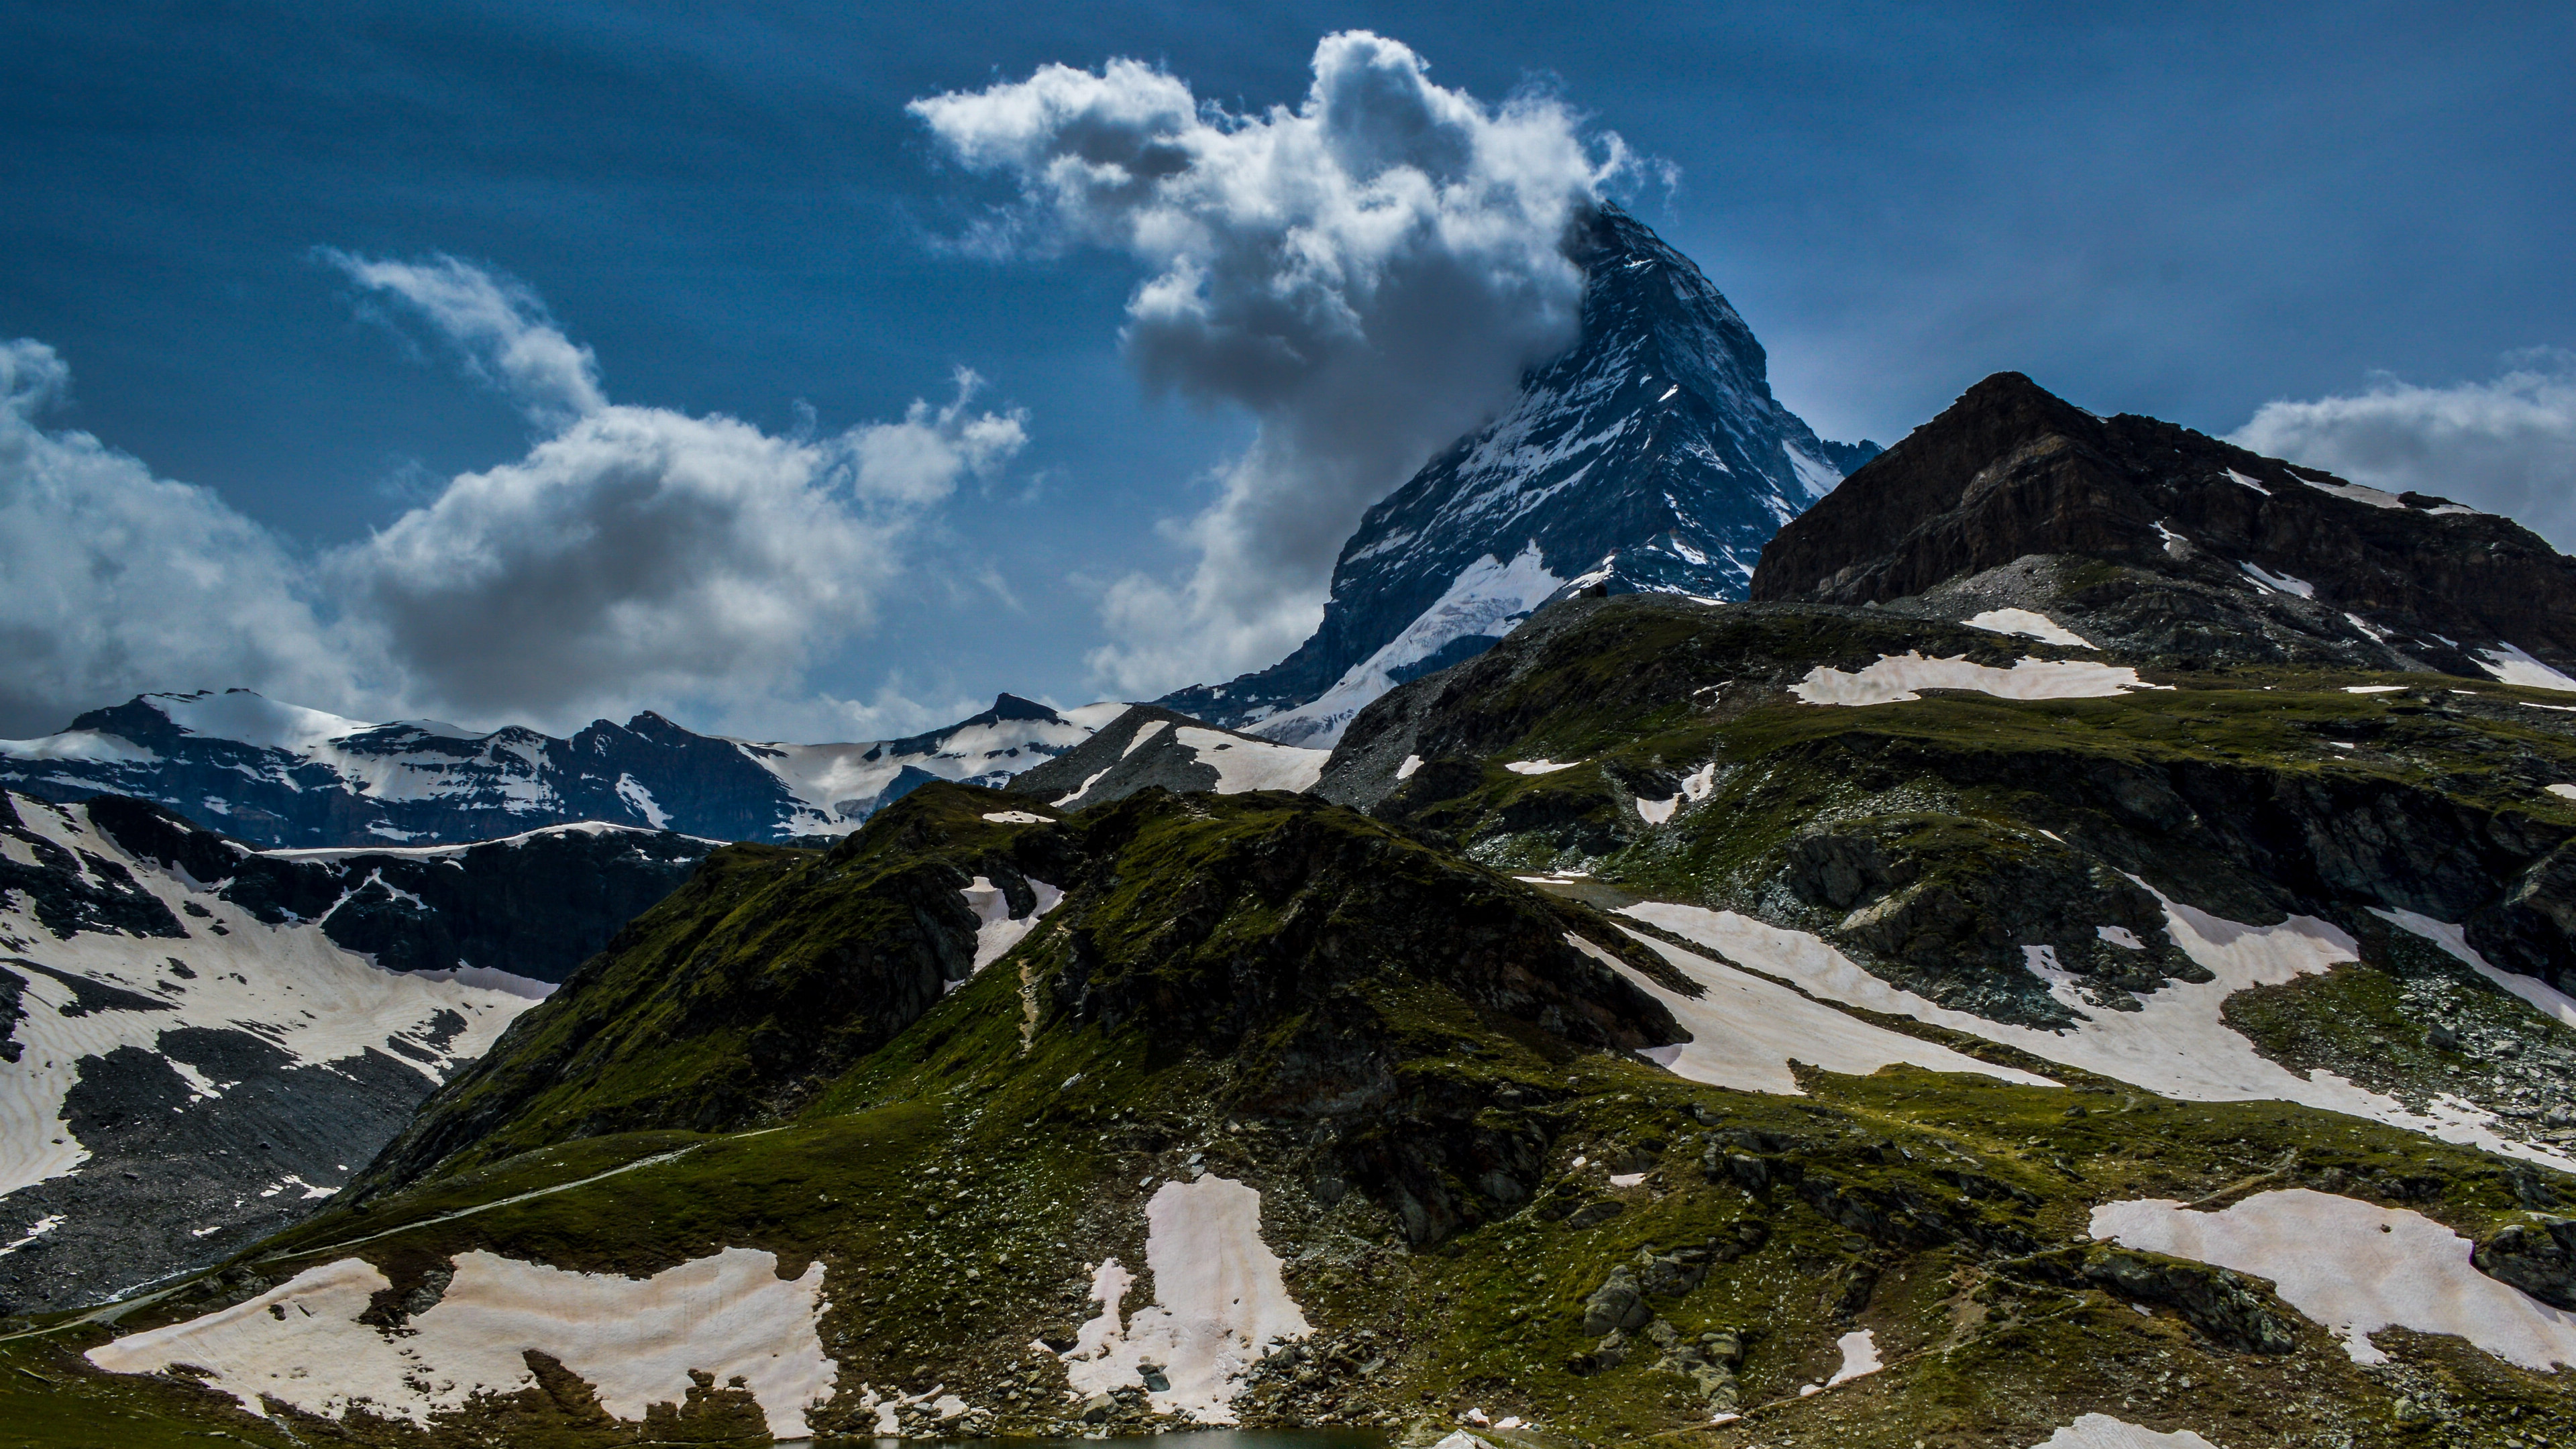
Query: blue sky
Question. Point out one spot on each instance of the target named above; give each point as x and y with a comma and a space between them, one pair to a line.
2183, 210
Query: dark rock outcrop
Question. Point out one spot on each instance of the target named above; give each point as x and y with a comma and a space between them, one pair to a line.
2538, 1257
2200, 548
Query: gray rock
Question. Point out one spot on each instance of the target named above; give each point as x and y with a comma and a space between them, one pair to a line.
2538, 1257
1619, 1303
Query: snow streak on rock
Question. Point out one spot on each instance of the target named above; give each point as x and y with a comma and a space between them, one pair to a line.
1745, 1031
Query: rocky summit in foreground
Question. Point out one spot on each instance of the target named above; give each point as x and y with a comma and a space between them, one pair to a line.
1947, 1013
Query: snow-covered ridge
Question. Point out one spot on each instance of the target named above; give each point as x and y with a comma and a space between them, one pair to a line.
97, 992
283, 776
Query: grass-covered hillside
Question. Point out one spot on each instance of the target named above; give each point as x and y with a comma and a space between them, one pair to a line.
1727, 1026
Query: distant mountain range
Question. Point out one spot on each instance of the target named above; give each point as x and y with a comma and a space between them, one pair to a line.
279, 775
1652, 456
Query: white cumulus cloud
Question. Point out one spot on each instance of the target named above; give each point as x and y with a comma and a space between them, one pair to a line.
497, 323
634, 556
114, 582
2506, 445
1368, 273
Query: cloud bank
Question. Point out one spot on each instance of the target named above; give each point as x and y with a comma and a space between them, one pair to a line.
1368, 273
113, 581
2506, 445
634, 555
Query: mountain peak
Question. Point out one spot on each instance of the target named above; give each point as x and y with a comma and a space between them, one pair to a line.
2015, 497
1651, 455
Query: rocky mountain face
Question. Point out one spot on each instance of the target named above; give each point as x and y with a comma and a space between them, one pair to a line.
1651, 456
2158, 541
277, 775
199, 1043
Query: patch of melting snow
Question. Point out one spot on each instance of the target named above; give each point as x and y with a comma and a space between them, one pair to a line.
2354, 1267
2374, 689
2101, 1431
1626, 1179
1243, 765
2563, 792
1017, 817
1745, 1031
42, 1226
1540, 767
2120, 936
1220, 1303
996, 932
2509, 664
1411, 764
1860, 1357
2248, 482
2028, 623
2176, 1043
2357, 492
2279, 583
1895, 678
634, 1340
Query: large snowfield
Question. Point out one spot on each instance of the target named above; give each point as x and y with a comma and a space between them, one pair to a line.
634, 1340
2175, 1044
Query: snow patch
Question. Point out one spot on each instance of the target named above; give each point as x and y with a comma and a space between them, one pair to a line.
1895, 678
2355, 1267
632, 791
2279, 583
2455, 940
1016, 817
2510, 665
996, 932
2247, 482
1744, 1031
2176, 1043
2029, 624
2563, 792
2101, 1431
289, 985
2357, 492
42, 1226
1219, 1303
1242, 764
633, 1339
1540, 767
1411, 764
1860, 1357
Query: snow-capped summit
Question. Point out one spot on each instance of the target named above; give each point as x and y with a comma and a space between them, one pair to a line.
1650, 456
279, 775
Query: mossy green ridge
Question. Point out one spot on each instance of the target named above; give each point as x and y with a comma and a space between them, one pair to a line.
1934, 838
